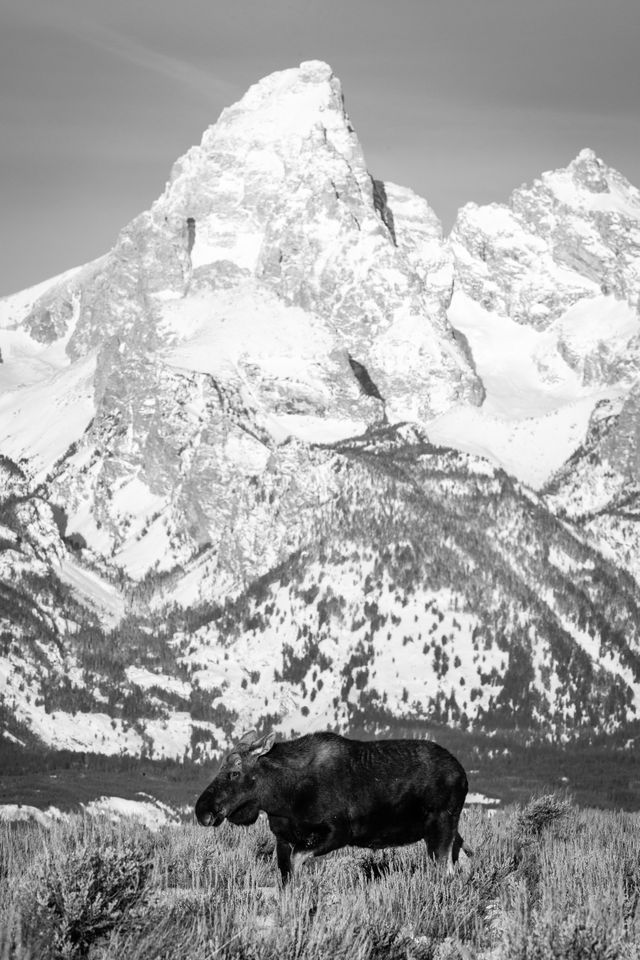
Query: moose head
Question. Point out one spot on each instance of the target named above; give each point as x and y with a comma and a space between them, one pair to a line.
234, 794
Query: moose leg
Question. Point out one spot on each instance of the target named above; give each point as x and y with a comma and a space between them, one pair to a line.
432, 835
441, 831
283, 855
457, 847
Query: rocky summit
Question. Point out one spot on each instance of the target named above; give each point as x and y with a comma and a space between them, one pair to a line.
287, 455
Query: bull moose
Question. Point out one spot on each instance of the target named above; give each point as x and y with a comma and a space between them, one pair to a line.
323, 791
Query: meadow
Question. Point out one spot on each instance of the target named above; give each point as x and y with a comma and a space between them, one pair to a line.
548, 880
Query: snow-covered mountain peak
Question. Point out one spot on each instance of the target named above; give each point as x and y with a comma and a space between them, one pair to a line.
288, 105
572, 234
548, 285
589, 172
275, 290
588, 188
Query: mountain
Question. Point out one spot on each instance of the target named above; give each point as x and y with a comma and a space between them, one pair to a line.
225, 321
546, 295
285, 454
573, 234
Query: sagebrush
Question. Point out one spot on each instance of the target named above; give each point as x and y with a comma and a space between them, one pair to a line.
564, 886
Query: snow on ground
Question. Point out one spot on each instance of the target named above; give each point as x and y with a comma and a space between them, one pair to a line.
531, 449
26, 362
598, 324
202, 581
151, 812
606, 659
10, 737
479, 799
215, 332
15, 307
408, 679
140, 514
536, 411
100, 733
250, 337
523, 374
41, 421
167, 737
133, 556
614, 200
93, 589
22, 812
146, 679
92, 732
316, 429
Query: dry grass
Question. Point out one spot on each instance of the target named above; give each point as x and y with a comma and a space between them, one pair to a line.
568, 889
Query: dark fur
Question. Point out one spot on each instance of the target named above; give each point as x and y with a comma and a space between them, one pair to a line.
322, 792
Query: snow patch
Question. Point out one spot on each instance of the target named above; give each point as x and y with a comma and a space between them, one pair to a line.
40, 422
479, 799
151, 812
537, 411
24, 813
93, 589
146, 679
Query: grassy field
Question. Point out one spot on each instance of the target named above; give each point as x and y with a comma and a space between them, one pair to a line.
549, 880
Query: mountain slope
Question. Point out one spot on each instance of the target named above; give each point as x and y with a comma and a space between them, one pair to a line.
598, 488
439, 591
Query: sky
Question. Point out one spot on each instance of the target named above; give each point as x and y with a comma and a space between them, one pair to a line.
459, 99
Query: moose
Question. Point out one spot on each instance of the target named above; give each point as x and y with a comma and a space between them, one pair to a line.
323, 791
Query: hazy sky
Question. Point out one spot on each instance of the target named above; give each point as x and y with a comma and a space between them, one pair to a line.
459, 99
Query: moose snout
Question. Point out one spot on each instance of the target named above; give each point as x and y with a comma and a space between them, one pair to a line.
206, 815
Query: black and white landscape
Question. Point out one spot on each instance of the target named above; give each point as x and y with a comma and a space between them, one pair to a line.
288, 456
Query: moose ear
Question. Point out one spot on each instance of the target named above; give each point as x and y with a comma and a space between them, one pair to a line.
247, 739
262, 745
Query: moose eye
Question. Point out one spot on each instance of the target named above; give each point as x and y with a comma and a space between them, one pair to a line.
234, 774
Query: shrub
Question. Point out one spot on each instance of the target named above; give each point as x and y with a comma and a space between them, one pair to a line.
541, 813
83, 898
572, 938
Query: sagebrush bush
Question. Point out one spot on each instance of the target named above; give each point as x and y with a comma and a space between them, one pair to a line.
566, 938
541, 813
79, 900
